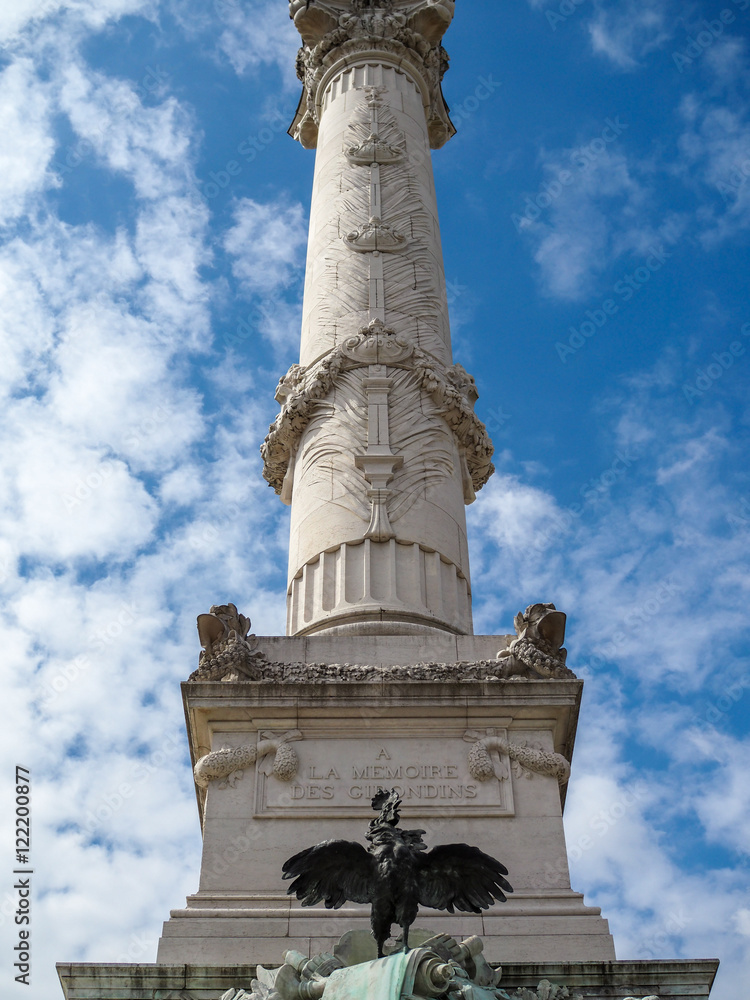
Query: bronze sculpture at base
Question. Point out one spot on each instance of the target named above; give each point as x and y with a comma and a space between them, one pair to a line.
394, 875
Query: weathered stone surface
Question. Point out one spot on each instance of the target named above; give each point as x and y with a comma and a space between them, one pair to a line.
348, 30
675, 980
223, 634
373, 659
227, 765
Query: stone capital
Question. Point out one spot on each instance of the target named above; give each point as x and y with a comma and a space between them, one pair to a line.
338, 33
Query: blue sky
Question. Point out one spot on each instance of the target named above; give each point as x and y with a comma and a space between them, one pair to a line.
595, 210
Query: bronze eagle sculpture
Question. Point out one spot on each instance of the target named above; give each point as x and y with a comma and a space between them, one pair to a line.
394, 875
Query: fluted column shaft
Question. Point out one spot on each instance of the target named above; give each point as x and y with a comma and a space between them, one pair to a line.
377, 448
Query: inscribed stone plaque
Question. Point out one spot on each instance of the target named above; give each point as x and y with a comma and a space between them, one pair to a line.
338, 776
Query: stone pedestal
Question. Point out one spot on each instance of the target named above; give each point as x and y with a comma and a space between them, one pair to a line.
476, 759
683, 980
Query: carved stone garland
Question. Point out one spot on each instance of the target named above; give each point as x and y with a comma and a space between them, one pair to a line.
300, 389
346, 673
229, 763
528, 760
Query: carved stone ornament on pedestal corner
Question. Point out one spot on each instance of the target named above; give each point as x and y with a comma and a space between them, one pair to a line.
537, 649
228, 650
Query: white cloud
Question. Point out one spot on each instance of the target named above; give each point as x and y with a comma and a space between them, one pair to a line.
100, 323
647, 539
31, 14
117, 526
592, 208
267, 242
27, 146
630, 570
715, 146
253, 37
626, 32
149, 144
620, 850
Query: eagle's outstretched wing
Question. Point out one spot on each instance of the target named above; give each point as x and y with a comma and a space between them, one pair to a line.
335, 871
456, 875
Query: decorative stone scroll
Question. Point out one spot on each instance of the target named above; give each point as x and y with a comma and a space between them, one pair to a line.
537, 649
335, 30
380, 141
229, 763
377, 344
528, 760
452, 389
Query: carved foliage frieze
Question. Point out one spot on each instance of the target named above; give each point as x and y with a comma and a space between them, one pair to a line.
275, 672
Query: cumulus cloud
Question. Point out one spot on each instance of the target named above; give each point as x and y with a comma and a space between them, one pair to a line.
124, 510
24, 116
266, 241
630, 565
30, 15
251, 38
131, 497
267, 244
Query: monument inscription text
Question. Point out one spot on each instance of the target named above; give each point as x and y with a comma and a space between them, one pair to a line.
339, 776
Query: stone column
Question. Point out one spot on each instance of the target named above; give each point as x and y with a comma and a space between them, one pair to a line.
377, 447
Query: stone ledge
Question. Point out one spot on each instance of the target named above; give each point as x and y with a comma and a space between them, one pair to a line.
668, 979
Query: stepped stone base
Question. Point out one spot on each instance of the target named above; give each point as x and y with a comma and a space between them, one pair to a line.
529, 926
683, 980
